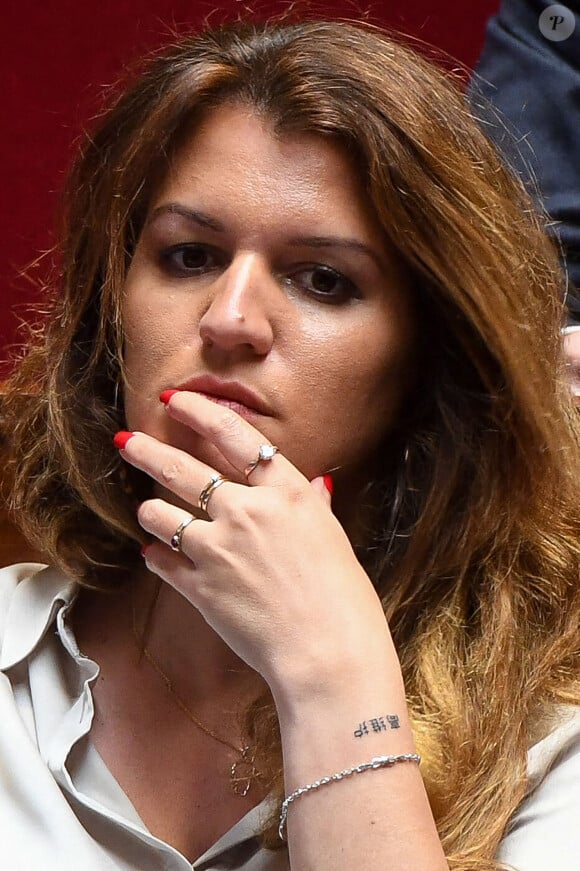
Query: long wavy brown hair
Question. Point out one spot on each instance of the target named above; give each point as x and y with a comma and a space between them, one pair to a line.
474, 537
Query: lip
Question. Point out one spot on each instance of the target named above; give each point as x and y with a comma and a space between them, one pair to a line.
231, 393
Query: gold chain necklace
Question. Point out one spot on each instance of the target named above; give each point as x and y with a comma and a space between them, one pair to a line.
243, 771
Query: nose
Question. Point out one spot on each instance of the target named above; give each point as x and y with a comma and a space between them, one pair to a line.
239, 313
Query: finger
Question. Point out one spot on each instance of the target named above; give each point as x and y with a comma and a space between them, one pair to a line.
323, 486
176, 569
236, 439
174, 469
166, 521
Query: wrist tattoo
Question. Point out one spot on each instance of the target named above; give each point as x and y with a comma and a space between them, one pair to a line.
377, 724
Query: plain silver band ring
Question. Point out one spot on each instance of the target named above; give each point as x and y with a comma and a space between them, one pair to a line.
265, 454
175, 541
207, 492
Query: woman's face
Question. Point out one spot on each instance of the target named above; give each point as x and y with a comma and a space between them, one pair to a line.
262, 279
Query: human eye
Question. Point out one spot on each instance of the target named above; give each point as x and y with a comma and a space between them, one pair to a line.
190, 259
325, 283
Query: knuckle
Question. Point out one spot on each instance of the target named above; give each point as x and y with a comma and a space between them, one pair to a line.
239, 511
295, 494
171, 472
241, 503
257, 505
226, 424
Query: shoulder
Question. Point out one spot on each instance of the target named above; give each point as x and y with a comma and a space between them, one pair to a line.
544, 832
10, 577
30, 594
562, 740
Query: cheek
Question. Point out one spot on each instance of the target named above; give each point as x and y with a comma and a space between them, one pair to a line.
365, 365
151, 333
364, 399
146, 348
350, 401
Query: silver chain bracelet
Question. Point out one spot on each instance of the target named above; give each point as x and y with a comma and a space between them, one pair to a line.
376, 762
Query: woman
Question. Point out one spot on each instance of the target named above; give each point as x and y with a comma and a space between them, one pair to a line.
292, 260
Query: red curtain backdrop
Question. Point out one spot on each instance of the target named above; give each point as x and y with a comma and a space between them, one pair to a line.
58, 57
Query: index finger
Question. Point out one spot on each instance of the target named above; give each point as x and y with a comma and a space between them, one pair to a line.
237, 440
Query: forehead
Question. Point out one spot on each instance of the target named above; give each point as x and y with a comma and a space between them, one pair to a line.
236, 162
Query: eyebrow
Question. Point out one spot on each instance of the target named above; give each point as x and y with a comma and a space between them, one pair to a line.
201, 219
337, 242
194, 216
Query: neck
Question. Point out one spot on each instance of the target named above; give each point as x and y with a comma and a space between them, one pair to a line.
198, 662
149, 613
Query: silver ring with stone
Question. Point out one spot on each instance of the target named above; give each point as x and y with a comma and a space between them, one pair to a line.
265, 454
215, 481
175, 540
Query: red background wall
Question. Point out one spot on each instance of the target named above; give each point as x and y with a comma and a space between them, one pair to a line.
56, 58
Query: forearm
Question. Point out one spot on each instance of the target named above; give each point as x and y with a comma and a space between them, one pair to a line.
376, 819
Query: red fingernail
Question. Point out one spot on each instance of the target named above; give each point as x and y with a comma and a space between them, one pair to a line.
328, 484
121, 439
166, 395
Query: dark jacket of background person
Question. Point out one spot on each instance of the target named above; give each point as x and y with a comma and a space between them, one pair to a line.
534, 83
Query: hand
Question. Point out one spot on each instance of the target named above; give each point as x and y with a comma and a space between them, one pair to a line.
271, 570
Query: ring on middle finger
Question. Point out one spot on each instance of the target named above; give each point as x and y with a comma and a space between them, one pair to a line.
215, 481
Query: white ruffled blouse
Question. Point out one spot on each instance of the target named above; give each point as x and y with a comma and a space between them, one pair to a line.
62, 810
